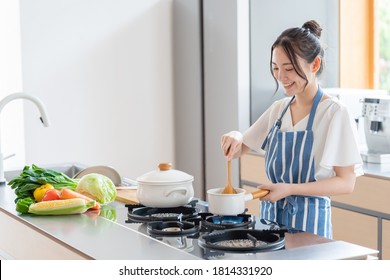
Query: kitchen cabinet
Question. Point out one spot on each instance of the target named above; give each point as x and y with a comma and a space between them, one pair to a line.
252, 174
25, 243
354, 216
354, 227
369, 200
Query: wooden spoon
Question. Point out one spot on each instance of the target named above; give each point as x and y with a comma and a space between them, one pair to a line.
229, 188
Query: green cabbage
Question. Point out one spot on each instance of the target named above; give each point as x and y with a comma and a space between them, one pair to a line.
97, 187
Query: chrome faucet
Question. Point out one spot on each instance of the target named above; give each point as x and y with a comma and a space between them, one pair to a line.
44, 119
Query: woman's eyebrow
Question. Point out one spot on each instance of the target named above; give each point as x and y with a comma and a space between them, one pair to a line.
287, 63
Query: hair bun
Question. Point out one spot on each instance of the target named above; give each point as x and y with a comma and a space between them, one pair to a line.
313, 27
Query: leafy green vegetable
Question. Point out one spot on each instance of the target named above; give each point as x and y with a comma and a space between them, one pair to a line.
23, 204
97, 187
34, 177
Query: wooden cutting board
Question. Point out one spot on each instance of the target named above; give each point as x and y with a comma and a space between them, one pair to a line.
127, 196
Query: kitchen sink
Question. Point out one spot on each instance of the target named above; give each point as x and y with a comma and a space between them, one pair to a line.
70, 169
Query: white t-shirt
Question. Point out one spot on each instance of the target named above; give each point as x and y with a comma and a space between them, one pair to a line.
334, 130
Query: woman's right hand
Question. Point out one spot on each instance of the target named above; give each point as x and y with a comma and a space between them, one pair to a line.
231, 144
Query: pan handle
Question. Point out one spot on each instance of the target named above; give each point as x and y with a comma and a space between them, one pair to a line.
259, 193
182, 190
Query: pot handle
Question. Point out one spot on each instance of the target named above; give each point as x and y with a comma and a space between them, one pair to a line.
177, 189
256, 194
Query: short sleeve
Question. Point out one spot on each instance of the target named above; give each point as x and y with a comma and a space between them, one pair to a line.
256, 134
341, 146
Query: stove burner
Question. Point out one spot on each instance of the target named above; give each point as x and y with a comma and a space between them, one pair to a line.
223, 220
172, 228
215, 222
165, 215
144, 214
243, 240
241, 243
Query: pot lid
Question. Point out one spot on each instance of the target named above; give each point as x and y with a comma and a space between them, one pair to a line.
165, 175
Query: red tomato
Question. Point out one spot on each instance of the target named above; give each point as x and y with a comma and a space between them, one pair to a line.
51, 194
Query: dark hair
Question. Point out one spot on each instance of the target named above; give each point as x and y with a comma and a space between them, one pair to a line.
303, 42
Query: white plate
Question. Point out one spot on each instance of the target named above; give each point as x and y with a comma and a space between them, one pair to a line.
103, 170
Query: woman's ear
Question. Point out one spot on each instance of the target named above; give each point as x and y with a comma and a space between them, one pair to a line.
316, 64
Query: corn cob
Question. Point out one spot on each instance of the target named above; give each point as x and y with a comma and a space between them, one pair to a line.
61, 207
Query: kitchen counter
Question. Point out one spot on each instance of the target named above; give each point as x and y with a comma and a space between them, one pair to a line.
97, 237
93, 237
377, 170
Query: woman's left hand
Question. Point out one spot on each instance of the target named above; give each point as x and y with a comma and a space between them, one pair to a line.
276, 191
342, 183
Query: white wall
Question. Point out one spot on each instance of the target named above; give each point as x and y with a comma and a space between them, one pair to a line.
11, 125
104, 71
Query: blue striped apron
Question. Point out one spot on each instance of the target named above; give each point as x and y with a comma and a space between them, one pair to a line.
289, 159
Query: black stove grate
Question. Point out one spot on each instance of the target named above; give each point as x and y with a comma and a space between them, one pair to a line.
243, 241
138, 213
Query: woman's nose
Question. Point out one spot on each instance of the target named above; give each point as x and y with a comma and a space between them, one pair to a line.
280, 74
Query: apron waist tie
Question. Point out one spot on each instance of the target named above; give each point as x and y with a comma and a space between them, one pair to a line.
290, 205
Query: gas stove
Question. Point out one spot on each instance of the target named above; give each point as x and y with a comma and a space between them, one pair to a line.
193, 229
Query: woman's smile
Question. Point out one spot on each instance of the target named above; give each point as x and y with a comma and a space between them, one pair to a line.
288, 86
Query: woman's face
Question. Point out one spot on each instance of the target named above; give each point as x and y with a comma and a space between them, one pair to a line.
285, 73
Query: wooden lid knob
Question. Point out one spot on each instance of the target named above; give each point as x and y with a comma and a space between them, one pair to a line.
165, 166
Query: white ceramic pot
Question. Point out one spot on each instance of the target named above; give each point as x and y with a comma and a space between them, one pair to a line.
165, 187
230, 204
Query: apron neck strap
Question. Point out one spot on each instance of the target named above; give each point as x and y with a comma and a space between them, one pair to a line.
317, 100
279, 121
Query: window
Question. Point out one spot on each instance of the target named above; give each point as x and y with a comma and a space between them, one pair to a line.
384, 44
364, 44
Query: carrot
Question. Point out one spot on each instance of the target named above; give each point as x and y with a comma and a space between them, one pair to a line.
66, 193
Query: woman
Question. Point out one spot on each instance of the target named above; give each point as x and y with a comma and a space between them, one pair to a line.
310, 140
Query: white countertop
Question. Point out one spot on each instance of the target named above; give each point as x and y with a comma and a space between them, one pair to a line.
377, 170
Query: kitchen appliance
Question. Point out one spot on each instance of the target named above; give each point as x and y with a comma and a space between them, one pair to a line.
376, 113
193, 229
